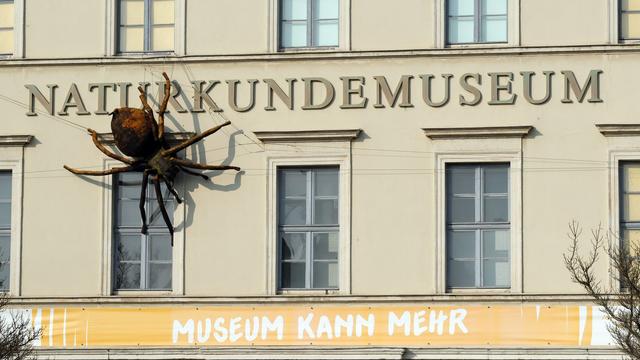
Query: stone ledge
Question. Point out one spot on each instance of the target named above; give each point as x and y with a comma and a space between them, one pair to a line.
307, 135
619, 129
477, 132
15, 140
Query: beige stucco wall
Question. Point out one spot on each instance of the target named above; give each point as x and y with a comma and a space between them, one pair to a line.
565, 176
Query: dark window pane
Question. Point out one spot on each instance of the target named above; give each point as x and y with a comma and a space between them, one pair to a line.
127, 275
461, 245
326, 212
495, 244
325, 275
325, 246
129, 247
496, 273
4, 275
154, 213
461, 273
5, 185
293, 212
461, 180
294, 246
5, 215
496, 180
160, 247
293, 275
496, 209
128, 213
462, 210
160, 276
326, 182
5, 248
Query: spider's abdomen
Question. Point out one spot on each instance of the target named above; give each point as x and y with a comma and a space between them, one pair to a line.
134, 132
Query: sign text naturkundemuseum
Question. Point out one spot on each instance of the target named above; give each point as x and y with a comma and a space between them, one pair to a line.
347, 92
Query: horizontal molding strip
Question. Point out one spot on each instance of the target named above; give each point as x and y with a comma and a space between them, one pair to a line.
15, 140
328, 55
619, 129
307, 135
477, 132
301, 299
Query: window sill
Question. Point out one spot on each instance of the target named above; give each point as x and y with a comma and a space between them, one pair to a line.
310, 49
143, 293
310, 292
487, 45
480, 291
145, 54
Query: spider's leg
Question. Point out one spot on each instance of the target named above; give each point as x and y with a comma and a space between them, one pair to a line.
143, 199
173, 190
163, 210
96, 142
193, 165
115, 170
163, 105
191, 172
194, 139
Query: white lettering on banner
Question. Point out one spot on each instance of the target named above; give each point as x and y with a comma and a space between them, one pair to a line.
437, 321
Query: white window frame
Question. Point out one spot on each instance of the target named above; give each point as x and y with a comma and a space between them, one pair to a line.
12, 159
18, 31
478, 145
112, 28
344, 30
614, 24
513, 27
321, 148
108, 238
622, 141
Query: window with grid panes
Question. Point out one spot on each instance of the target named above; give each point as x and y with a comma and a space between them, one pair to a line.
630, 206
146, 25
630, 19
476, 21
142, 262
478, 240
5, 229
7, 15
309, 23
308, 227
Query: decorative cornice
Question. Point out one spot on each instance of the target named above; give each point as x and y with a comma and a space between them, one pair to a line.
15, 140
307, 135
478, 132
107, 138
619, 129
497, 50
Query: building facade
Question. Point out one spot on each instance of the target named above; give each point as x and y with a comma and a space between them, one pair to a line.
408, 173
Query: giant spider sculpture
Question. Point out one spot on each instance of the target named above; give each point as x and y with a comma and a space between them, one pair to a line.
137, 135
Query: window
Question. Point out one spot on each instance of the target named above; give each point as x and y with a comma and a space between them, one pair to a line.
630, 19
478, 227
5, 229
308, 227
476, 21
142, 262
146, 25
630, 204
7, 21
309, 23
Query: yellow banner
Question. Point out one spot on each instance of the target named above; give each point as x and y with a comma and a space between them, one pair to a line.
416, 325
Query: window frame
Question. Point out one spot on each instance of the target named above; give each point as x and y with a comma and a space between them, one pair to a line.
18, 30
145, 239
12, 159
615, 7
322, 148
441, 27
478, 226
344, 30
112, 31
308, 229
108, 242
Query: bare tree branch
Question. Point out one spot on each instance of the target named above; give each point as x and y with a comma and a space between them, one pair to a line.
16, 333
